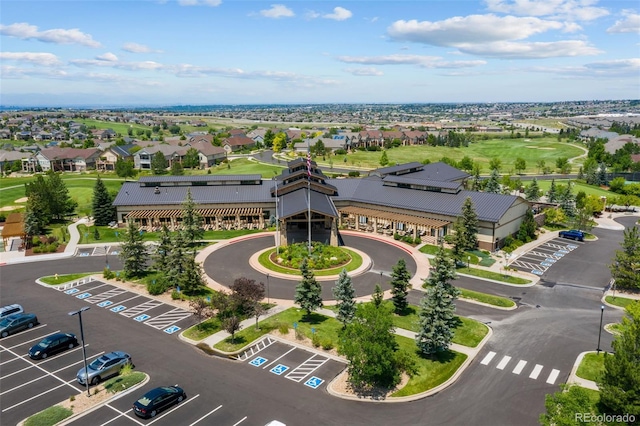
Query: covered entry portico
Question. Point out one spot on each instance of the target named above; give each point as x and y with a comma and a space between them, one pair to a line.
389, 223
293, 214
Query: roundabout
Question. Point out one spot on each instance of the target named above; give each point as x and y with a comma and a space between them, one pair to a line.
226, 261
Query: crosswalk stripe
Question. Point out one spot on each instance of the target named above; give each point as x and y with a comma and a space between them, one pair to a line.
519, 367
503, 362
487, 359
553, 376
536, 372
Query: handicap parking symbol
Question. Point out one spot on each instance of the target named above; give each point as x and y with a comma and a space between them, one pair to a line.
549, 260
314, 382
118, 308
563, 251
547, 264
558, 254
83, 295
105, 303
83, 254
172, 329
71, 291
142, 317
535, 271
572, 247
258, 361
279, 369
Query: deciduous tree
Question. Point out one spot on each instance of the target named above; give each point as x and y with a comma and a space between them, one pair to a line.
158, 164
245, 293
562, 407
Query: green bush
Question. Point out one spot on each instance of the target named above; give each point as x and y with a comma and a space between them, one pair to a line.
156, 288
283, 328
396, 236
354, 173
177, 295
315, 340
108, 274
327, 345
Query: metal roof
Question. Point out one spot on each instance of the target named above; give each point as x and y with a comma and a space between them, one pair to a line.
295, 203
200, 178
439, 171
408, 179
398, 168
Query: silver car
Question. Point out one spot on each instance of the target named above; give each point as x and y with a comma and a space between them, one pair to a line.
105, 366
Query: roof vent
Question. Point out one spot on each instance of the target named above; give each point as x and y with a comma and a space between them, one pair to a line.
157, 190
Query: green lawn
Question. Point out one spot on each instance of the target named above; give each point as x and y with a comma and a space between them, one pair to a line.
204, 329
482, 152
486, 298
431, 371
49, 416
474, 257
591, 367
576, 187
51, 280
356, 262
620, 301
481, 273
242, 166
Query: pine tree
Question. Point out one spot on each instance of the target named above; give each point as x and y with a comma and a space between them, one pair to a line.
191, 220
476, 184
437, 318
532, 193
625, 268
61, 203
552, 195
470, 222
400, 286
527, 231
133, 252
620, 383
102, 209
191, 279
345, 295
377, 296
567, 201
384, 160
176, 258
493, 183
163, 252
308, 291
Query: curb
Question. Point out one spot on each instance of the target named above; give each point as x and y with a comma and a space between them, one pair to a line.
512, 308
573, 379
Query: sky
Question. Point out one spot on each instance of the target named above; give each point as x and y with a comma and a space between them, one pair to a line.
202, 52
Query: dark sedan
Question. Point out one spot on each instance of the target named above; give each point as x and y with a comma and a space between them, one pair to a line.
156, 400
17, 322
53, 344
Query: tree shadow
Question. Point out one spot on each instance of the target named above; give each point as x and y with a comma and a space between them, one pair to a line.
313, 318
409, 310
443, 357
458, 323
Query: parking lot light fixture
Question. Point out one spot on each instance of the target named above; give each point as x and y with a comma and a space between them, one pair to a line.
600, 331
106, 259
84, 350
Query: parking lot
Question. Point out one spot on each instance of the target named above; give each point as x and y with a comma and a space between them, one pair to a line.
540, 258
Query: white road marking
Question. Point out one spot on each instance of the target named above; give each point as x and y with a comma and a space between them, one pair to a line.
503, 362
536, 372
553, 376
519, 367
241, 420
206, 415
182, 404
487, 359
291, 350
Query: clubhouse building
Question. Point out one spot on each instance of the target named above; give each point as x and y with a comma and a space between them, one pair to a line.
409, 199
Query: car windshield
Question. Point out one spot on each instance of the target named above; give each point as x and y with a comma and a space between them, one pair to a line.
5, 322
144, 401
95, 365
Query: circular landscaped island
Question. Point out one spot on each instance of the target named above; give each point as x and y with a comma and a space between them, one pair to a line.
324, 259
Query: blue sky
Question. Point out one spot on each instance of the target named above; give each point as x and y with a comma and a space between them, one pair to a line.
152, 53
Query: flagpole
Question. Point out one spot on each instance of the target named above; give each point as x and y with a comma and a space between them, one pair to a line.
277, 221
309, 196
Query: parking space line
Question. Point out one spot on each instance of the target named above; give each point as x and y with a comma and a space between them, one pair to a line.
135, 310
40, 394
106, 295
168, 318
306, 368
22, 333
24, 357
131, 298
28, 341
206, 415
291, 350
241, 420
182, 404
257, 345
122, 413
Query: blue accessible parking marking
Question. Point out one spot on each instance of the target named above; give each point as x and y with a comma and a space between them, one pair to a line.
314, 382
105, 304
118, 308
558, 254
550, 260
142, 317
279, 369
71, 291
172, 329
535, 271
258, 361
83, 295
547, 264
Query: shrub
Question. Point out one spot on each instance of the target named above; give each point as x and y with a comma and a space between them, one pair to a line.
156, 287
315, 340
354, 173
283, 328
417, 241
177, 295
340, 151
396, 236
327, 345
108, 274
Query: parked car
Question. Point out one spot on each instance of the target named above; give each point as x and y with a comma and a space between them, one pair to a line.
572, 234
53, 344
156, 400
5, 311
17, 322
103, 367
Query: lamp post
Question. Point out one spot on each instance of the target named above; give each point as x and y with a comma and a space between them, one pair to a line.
84, 350
268, 288
468, 261
380, 277
600, 331
106, 259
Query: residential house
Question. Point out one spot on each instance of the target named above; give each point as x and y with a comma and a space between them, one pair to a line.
67, 159
209, 155
103, 134
109, 157
143, 159
236, 143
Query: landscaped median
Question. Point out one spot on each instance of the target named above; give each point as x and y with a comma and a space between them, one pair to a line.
81, 404
323, 332
619, 301
487, 299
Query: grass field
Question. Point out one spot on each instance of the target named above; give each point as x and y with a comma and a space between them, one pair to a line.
591, 367
507, 150
576, 187
620, 301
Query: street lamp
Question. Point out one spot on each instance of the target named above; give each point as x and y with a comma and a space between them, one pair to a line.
84, 350
268, 288
468, 261
600, 331
106, 259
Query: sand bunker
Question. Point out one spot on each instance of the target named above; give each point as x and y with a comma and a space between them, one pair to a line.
8, 208
538, 147
22, 200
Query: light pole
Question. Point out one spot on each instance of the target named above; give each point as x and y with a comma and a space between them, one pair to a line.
106, 259
84, 350
468, 261
600, 331
268, 288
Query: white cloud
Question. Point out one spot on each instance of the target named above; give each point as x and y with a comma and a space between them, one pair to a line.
366, 72
36, 58
277, 11
572, 10
420, 60
110, 57
110, 60
533, 50
26, 31
614, 68
339, 14
630, 23
138, 48
13, 72
212, 3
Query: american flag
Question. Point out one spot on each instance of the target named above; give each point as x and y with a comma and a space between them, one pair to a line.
308, 164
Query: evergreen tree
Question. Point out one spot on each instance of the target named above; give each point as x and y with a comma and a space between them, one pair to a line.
162, 255
60, 202
620, 383
493, 183
580, 173
308, 291
133, 253
158, 164
345, 295
400, 286
476, 184
176, 169
567, 201
177, 258
458, 241
602, 174
191, 279
191, 220
384, 160
102, 207
532, 193
470, 222
36, 215
437, 318
527, 231
377, 296
370, 346
552, 195
626, 267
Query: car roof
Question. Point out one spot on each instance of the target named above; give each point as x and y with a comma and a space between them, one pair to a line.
19, 315
58, 335
8, 307
157, 391
114, 354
